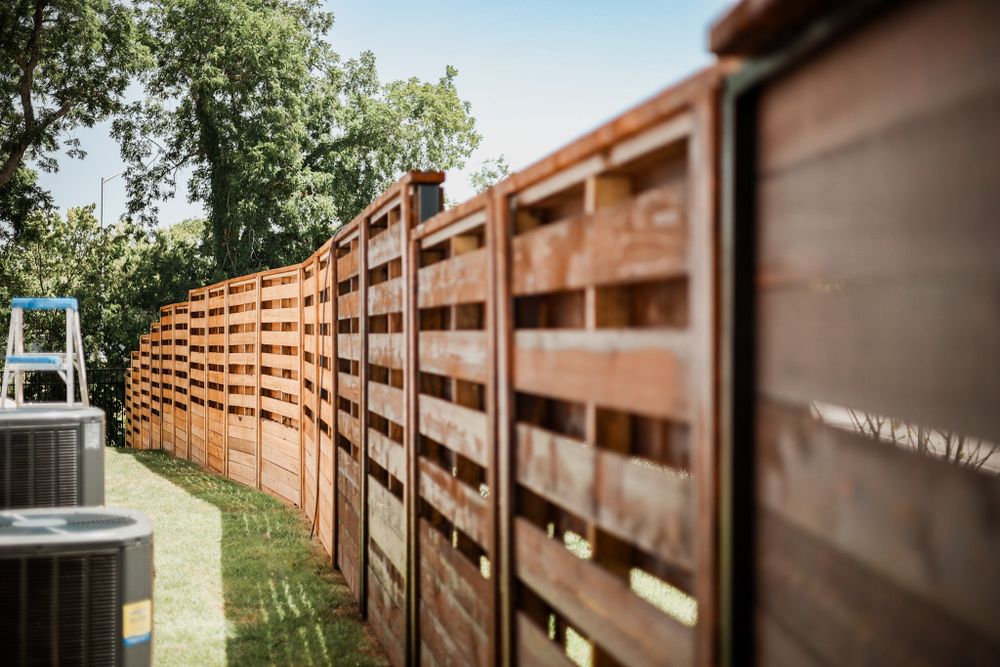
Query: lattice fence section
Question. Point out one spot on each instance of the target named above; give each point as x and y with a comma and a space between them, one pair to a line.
349, 405
155, 386
280, 384
167, 378
241, 379
216, 378
387, 234
454, 441
610, 279
181, 319
325, 388
144, 391
197, 375
309, 396
133, 403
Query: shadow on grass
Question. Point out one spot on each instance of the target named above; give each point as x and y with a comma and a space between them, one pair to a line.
283, 603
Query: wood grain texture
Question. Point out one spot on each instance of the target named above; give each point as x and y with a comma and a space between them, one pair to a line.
651, 508
874, 219
599, 603
892, 509
643, 239
615, 368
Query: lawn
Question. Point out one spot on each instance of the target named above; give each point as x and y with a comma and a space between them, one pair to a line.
238, 580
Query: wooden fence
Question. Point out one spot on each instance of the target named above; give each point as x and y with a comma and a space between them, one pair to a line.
493, 415
585, 417
865, 376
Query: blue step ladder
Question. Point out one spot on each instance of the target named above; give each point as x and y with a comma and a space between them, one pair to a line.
66, 364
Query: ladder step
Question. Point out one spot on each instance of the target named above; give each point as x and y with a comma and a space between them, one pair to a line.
43, 303
20, 361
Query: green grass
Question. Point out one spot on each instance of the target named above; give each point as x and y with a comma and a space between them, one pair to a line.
238, 580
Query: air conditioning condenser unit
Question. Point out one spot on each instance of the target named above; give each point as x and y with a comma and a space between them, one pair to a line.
51, 455
76, 587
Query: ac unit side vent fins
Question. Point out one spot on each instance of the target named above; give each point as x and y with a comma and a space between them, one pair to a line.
59, 609
39, 468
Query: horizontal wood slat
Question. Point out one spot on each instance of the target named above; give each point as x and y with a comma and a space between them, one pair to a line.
899, 517
599, 603
461, 429
652, 508
644, 372
459, 354
641, 240
461, 279
459, 503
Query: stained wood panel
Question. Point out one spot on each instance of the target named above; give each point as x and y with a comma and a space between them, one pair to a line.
309, 396
197, 375
216, 375
132, 401
145, 398
279, 385
167, 378
155, 386
349, 446
385, 235
181, 380
242, 350
454, 445
607, 372
326, 399
864, 178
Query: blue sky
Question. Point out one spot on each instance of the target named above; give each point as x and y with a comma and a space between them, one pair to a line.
538, 74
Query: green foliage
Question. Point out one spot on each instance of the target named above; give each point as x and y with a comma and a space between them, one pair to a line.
58, 256
490, 173
285, 140
62, 65
19, 198
121, 275
163, 265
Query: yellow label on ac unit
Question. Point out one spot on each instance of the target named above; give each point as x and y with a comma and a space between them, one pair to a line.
137, 622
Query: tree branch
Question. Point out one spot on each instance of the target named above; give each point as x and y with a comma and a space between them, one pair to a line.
13, 160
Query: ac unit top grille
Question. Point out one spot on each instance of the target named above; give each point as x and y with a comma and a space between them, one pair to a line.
59, 414
63, 529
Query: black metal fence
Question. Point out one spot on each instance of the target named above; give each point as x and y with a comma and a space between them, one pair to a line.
107, 391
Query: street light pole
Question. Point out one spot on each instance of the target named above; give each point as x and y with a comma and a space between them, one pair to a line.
105, 179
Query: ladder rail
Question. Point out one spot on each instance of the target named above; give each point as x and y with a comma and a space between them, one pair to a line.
19, 349
84, 391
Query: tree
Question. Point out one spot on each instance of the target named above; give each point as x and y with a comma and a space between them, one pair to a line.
57, 256
62, 65
163, 265
490, 173
19, 199
121, 275
285, 140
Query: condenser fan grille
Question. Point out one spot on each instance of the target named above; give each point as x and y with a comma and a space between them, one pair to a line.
59, 609
35, 524
39, 468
